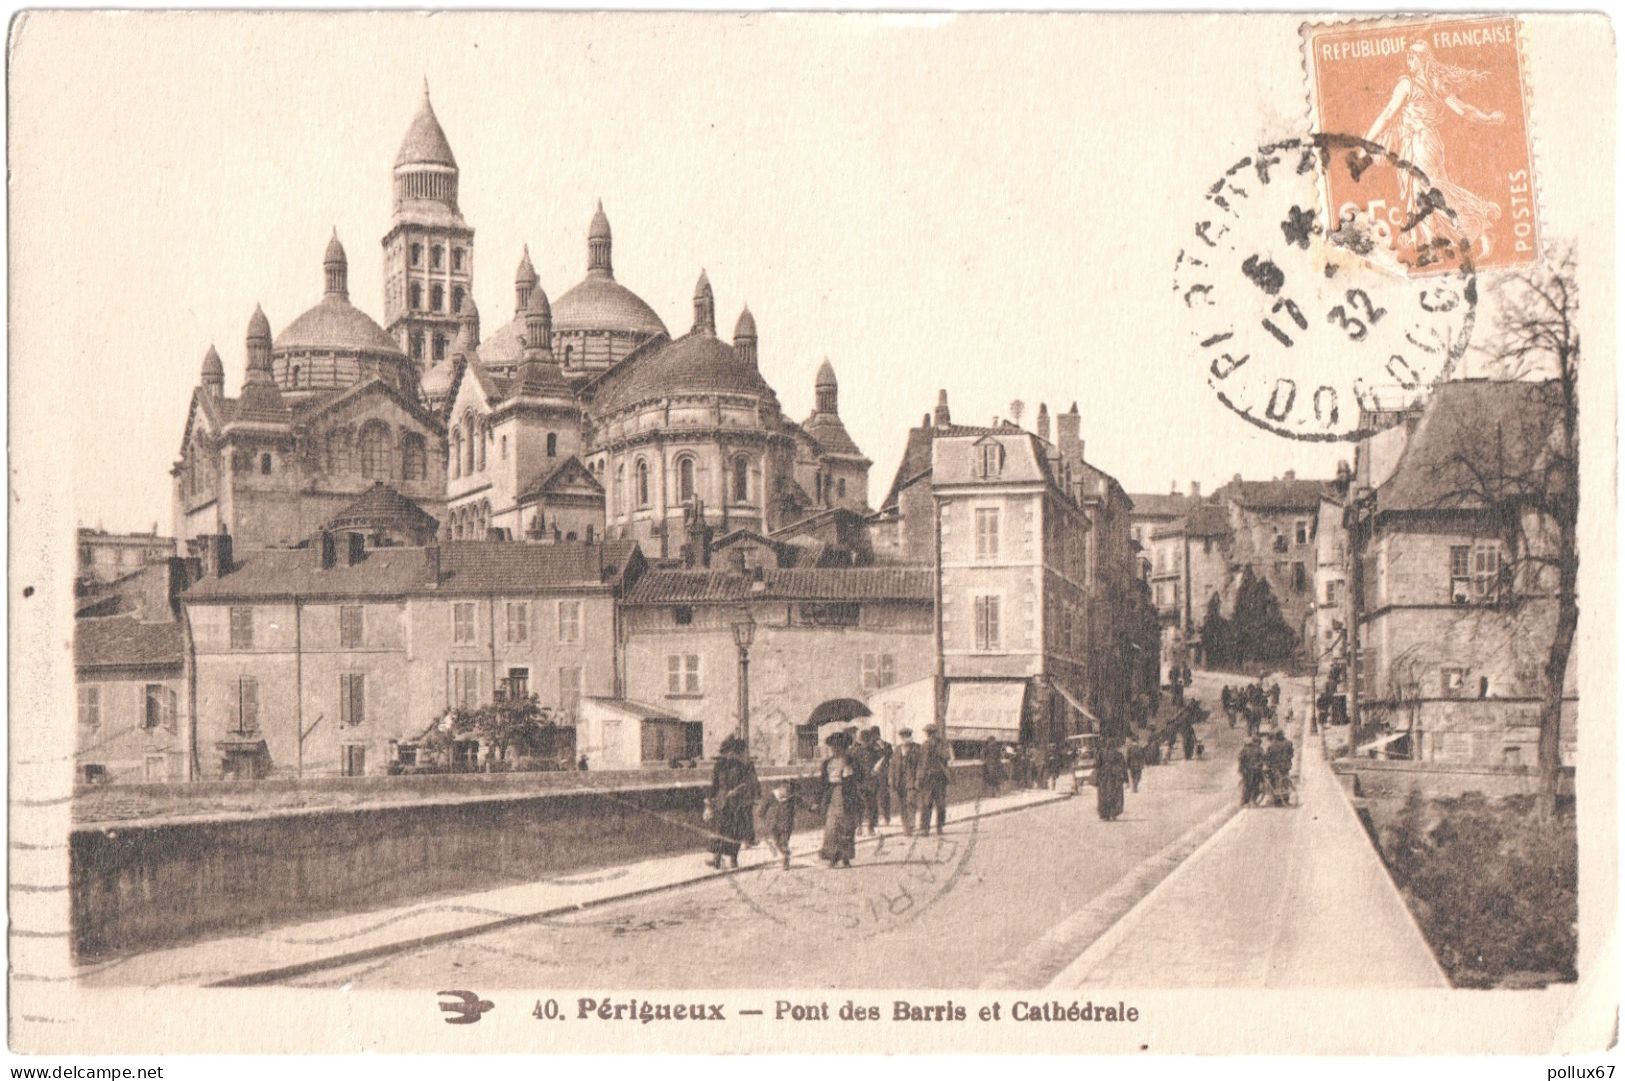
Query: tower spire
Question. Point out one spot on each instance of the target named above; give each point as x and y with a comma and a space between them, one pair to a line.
825, 389
705, 306
745, 336
598, 244
524, 280
336, 268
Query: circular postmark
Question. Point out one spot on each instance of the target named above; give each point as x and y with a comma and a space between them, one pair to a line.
1319, 326
895, 879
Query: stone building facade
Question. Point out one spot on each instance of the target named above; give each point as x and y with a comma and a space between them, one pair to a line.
817, 634
133, 720
1454, 622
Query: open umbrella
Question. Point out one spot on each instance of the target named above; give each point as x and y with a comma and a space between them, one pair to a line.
838, 710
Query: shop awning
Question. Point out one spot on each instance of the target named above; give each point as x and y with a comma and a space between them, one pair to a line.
987, 708
1077, 705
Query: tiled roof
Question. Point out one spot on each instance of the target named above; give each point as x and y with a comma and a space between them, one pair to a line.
545, 481
1276, 494
1471, 420
599, 302
1160, 504
831, 435
425, 142
283, 572
483, 566
382, 505
1207, 520
125, 641
917, 457
811, 584
335, 325
696, 363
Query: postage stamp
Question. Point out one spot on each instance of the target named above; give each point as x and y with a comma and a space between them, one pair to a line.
1447, 102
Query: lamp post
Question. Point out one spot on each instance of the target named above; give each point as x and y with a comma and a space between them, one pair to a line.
744, 630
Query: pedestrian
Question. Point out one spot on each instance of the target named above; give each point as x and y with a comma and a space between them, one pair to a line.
1111, 774
905, 775
865, 755
779, 820
1228, 700
841, 801
1187, 734
732, 802
1134, 756
934, 759
1251, 765
881, 774
992, 765
1275, 696
1278, 761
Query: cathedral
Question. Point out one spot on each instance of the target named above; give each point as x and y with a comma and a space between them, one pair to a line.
580, 418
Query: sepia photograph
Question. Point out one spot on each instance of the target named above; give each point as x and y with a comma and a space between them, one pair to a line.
998, 527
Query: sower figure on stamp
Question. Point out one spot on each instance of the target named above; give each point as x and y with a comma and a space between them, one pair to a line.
934, 761
841, 800
905, 775
732, 803
1111, 774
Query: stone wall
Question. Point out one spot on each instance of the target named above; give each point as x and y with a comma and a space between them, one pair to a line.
148, 884
1394, 780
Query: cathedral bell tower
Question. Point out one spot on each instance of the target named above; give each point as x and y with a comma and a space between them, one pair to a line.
429, 249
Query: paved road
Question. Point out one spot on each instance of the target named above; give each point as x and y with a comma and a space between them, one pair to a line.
1280, 897
987, 897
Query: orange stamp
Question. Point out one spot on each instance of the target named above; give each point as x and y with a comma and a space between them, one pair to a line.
1445, 98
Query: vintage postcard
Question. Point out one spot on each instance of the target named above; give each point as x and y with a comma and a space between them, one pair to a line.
635, 533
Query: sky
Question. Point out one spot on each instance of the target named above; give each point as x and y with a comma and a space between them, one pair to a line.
990, 205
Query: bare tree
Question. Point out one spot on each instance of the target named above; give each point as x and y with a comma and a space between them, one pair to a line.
1524, 472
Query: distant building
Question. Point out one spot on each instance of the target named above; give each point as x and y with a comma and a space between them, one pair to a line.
1454, 624
816, 634
132, 717
105, 556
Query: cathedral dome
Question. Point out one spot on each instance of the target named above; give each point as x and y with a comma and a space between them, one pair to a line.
425, 142
333, 326
696, 363
601, 303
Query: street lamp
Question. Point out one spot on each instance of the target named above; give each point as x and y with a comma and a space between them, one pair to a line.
744, 630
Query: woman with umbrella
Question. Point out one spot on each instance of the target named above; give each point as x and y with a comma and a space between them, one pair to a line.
731, 805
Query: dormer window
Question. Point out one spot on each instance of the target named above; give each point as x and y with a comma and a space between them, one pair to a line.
989, 458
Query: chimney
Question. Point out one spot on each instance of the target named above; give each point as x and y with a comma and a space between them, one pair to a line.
161, 588
323, 545
1289, 475
217, 555
1042, 423
941, 415
1196, 490
355, 548
1067, 441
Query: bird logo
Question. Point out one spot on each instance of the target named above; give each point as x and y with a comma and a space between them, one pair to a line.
469, 1007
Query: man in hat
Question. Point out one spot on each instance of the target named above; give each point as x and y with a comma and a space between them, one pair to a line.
934, 759
1251, 764
905, 770
1278, 761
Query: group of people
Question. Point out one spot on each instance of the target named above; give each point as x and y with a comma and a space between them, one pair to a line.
1027, 766
1252, 702
1266, 769
857, 782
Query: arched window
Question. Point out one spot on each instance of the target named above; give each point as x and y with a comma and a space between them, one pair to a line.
569, 354
375, 451
295, 380
414, 295
840, 488
417, 254
414, 457
483, 439
741, 479
457, 452
437, 297
456, 298
552, 444
620, 489
265, 463
468, 442
685, 479
338, 452
439, 347
642, 481
417, 345
436, 254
